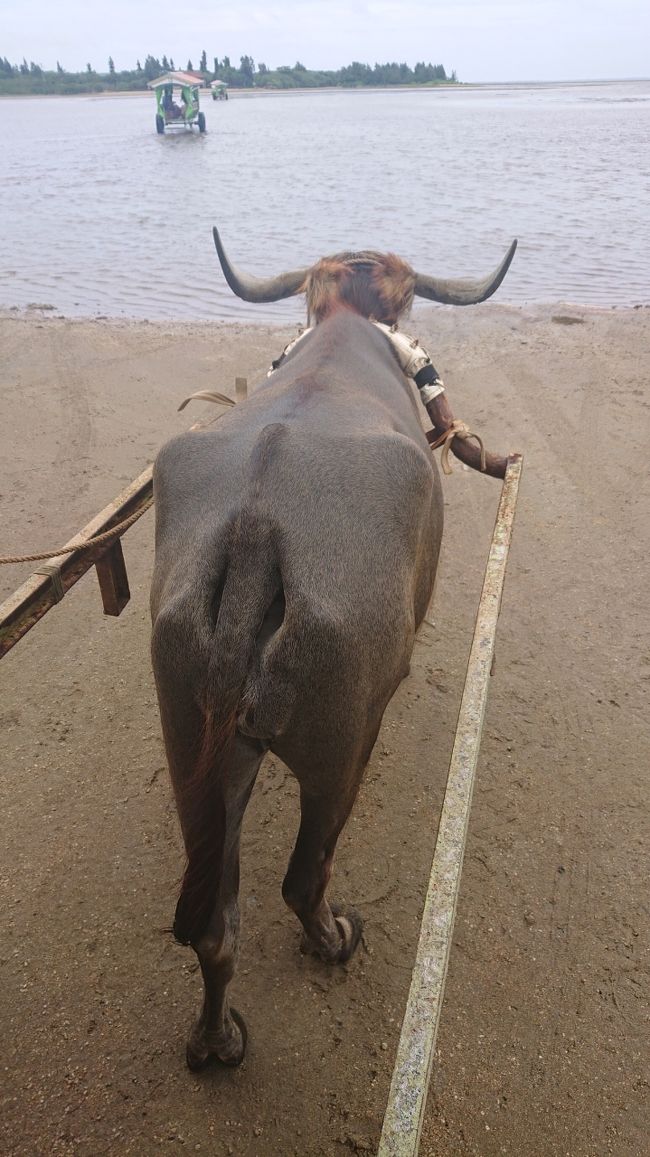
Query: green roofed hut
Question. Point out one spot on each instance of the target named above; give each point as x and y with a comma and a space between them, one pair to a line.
177, 101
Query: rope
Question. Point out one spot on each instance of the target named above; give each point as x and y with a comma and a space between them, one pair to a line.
84, 543
208, 396
458, 429
115, 531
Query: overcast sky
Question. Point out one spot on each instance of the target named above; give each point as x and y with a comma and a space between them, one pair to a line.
483, 40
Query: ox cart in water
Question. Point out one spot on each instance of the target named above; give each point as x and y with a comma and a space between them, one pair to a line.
177, 103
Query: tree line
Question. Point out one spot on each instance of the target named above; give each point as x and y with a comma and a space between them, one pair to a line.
32, 78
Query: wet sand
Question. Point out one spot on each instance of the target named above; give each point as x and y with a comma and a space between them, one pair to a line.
543, 1047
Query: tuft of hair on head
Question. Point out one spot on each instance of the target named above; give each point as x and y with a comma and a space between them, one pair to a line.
378, 286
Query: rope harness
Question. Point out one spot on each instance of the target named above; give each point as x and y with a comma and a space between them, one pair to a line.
458, 429
414, 362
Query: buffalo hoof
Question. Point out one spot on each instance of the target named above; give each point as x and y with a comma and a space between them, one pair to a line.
349, 926
225, 1048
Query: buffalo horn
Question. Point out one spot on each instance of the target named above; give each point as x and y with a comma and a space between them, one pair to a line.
259, 288
461, 292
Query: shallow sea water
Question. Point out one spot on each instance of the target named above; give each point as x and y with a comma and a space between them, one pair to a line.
100, 216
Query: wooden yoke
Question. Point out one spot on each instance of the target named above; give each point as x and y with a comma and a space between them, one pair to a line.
464, 449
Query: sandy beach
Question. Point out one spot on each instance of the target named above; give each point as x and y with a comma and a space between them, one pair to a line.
543, 1046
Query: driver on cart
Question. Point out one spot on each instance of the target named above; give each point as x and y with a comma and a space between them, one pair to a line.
172, 110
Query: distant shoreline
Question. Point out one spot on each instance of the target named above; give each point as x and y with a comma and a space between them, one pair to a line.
247, 93
235, 93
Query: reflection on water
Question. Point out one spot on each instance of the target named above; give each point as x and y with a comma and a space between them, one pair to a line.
102, 216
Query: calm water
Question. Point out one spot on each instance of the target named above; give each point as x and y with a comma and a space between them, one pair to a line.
101, 216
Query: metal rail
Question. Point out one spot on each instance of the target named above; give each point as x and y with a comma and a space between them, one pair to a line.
402, 1126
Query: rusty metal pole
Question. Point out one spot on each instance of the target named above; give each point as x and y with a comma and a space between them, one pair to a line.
402, 1126
48, 585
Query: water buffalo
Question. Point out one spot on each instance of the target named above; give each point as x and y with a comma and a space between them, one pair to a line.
296, 548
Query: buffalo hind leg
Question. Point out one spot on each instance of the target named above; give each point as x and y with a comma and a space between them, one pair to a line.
219, 1032
333, 932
